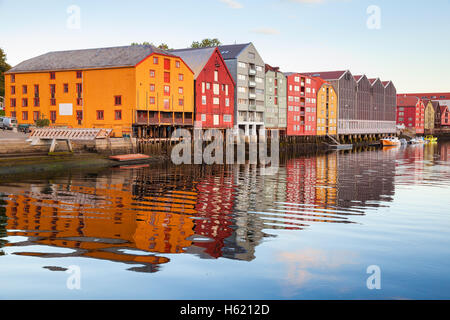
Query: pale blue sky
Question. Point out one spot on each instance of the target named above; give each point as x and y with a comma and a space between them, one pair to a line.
411, 48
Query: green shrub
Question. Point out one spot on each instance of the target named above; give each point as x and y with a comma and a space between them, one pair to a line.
2, 113
42, 123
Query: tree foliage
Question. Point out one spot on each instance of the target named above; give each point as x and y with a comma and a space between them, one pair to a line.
162, 46
3, 68
206, 43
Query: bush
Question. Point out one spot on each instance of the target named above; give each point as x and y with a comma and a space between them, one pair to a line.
42, 123
2, 113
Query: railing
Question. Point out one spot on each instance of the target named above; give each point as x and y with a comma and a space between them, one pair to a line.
252, 72
252, 84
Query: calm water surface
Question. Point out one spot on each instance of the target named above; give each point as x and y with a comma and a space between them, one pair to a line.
308, 232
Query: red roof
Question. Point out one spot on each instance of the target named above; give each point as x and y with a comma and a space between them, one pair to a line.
327, 75
443, 109
357, 77
274, 69
407, 101
385, 83
372, 80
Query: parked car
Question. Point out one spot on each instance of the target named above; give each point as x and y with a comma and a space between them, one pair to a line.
8, 123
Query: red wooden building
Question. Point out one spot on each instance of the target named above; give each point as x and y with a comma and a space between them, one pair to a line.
445, 116
302, 104
411, 113
213, 87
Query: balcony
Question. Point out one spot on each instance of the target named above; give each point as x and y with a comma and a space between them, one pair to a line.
252, 95
252, 84
252, 72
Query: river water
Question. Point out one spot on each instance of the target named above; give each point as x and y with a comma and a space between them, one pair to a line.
323, 227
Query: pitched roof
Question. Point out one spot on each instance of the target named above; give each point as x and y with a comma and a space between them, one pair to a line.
233, 50
270, 68
407, 101
326, 75
196, 58
443, 109
372, 80
385, 83
126, 56
358, 77
436, 105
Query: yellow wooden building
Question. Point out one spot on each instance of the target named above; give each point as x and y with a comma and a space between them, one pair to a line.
113, 88
327, 110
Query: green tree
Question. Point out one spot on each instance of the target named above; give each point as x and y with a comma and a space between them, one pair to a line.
162, 46
3, 68
206, 43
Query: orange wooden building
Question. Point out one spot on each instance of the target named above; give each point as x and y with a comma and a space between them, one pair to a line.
118, 88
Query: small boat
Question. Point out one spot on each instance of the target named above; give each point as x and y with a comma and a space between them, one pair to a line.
390, 142
431, 139
403, 142
417, 140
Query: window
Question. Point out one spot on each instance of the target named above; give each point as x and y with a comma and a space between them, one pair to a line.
227, 102
13, 103
259, 68
36, 102
242, 89
152, 73
208, 86
216, 88
52, 90
308, 81
203, 100
216, 120
24, 102
167, 90
35, 115
227, 118
203, 117
118, 115
52, 76
13, 114
167, 77
181, 102
177, 64
155, 60
79, 88
216, 75
166, 104
152, 88
180, 90
166, 64
152, 100
216, 101
13, 90
13, 78
53, 116
24, 115
24, 89
66, 88
180, 77
79, 115
203, 87
226, 89
79, 74
100, 115
242, 65
297, 79
251, 55
118, 100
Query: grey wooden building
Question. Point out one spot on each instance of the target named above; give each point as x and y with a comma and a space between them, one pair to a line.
365, 106
248, 71
275, 114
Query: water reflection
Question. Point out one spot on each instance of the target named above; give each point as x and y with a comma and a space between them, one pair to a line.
143, 216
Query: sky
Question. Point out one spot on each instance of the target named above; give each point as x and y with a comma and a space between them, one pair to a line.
398, 40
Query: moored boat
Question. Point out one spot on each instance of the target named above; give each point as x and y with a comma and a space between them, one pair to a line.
431, 139
390, 142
